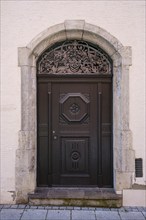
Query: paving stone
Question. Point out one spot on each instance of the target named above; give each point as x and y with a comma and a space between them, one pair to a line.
131, 209
98, 209
11, 214
85, 208
34, 214
1, 206
134, 210
141, 209
62, 207
41, 207
53, 207
27, 207
131, 216
127, 207
144, 213
77, 208
27, 212
58, 215
107, 215
69, 208
83, 214
114, 209
21, 206
121, 209
6, 206
91, 209
48, 207
14, 206
33, 207
106, 209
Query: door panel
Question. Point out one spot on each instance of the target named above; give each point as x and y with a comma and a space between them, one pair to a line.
106, 142
42, 150
74, 134
74, 138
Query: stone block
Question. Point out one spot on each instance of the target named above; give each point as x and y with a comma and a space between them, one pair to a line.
99, 41
74, 24
108, 215
74, 29
48, 42
126, 53
74, 34
11, 214
133, 197
82, 215
131, 216
34, 214
128, 163
104, 34
26, 140
24, 56
60, 214
123, 180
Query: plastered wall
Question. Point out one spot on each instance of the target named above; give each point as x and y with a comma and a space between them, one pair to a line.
21, 21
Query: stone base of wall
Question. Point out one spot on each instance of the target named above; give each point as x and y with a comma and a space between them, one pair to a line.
134, 197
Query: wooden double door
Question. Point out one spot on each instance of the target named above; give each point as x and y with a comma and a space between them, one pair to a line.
74, 133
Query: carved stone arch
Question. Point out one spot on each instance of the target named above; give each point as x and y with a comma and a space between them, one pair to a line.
123, 154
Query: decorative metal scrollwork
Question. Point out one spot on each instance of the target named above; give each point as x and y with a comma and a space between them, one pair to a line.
74, 57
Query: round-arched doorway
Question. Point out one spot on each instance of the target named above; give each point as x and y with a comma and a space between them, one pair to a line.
74, 81
79, 112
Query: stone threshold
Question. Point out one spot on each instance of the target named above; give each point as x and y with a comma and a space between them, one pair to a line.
68, 196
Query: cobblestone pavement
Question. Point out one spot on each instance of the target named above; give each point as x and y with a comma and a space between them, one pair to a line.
27, 212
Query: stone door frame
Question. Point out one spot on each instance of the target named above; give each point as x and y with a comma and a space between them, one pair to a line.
26, 154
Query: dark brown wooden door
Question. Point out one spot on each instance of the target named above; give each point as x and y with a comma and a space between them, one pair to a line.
74, 134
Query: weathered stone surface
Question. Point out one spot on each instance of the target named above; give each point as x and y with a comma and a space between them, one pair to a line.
124, 180
59, 36
134, 197
23, 56
55, 215
11, 214
82, 215
126, 53
104, 34
74, 34
98, 40
34, 214
108, 215
26, 169
131, 216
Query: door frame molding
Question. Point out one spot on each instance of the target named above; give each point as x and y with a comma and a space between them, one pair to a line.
26, 154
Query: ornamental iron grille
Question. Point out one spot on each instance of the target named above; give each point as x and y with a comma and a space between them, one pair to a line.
74, 57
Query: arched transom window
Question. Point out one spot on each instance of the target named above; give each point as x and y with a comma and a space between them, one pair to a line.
71, 57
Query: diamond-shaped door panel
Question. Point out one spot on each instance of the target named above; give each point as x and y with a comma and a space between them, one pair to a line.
74, 107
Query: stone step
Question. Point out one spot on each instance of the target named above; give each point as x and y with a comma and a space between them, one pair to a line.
62, 196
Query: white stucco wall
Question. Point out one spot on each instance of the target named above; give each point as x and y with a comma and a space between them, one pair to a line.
22, 21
